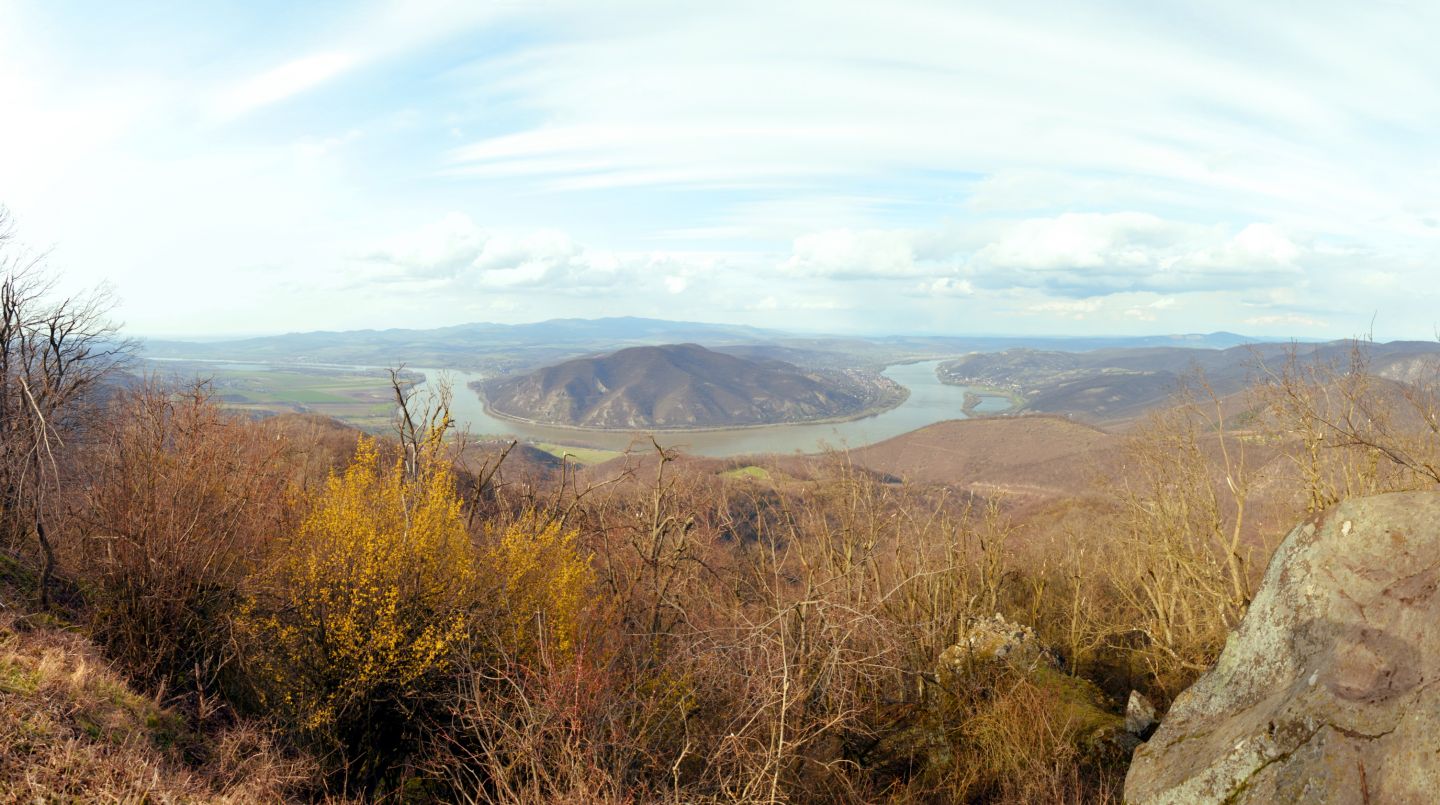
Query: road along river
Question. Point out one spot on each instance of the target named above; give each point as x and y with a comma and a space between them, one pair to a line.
929, 401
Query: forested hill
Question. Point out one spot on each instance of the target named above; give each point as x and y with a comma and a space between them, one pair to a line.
677, 386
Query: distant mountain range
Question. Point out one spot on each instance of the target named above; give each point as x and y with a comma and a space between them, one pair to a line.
513, 348
678, 386
484, 346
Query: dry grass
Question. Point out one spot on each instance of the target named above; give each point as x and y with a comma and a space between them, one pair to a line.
71, 729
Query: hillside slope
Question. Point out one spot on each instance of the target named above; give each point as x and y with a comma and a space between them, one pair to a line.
1115, 385
73, 730
1031, 456
681, 386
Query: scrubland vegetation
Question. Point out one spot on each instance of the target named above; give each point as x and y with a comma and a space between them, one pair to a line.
200, 606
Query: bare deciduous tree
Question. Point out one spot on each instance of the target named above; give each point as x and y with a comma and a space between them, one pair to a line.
1358, 431
54, 352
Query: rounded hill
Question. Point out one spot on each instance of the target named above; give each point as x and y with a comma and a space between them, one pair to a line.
684, 386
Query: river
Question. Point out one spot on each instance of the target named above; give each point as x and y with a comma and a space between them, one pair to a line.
929, 401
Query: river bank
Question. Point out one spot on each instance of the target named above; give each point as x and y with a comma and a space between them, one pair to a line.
927, 401
893, 401
976, 397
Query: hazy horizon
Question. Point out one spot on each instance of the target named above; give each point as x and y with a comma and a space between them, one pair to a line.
829, 168
203, 337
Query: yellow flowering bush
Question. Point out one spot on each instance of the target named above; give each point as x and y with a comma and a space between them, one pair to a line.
366, 603
544, 579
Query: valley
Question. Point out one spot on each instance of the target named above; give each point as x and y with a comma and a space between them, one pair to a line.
1114, 386
1024, 423
356, 395
927, 402
609, 383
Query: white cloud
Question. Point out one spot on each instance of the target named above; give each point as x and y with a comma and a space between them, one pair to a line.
995, 91
279, 83
1072, 255
1150, 310
1262, 244
439, 249
1081, 240
382, 31
996, 158
1379, 279
851, 254
1286, 320
1066, 309
948, 286
1085, 253
545, 259
455, 252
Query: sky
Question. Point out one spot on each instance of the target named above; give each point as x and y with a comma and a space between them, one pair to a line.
886, 167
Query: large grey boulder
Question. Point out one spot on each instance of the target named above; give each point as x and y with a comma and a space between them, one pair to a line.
1325, 692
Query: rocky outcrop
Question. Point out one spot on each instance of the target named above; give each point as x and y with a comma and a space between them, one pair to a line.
1325, 692
994, 640
1140, 718
992, 649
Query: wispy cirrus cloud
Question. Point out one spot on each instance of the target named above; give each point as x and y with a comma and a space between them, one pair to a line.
279, 83
912, 165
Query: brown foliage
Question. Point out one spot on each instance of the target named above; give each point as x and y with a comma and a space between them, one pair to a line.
179, 501
1350, 433
778, 667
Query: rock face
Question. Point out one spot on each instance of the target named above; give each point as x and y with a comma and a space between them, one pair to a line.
1140, 716
1325, 692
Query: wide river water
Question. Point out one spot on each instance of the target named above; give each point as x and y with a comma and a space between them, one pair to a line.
929, 401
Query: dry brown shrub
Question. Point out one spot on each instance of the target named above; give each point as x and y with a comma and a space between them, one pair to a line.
181, 497
1348, 432
757, 642
1180, 563
743, 639
1022, 739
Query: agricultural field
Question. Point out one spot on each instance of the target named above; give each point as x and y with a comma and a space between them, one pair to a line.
582, 455
748, 471
360, 397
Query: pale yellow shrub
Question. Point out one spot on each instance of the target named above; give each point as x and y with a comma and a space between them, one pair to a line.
544, 578
365, 605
